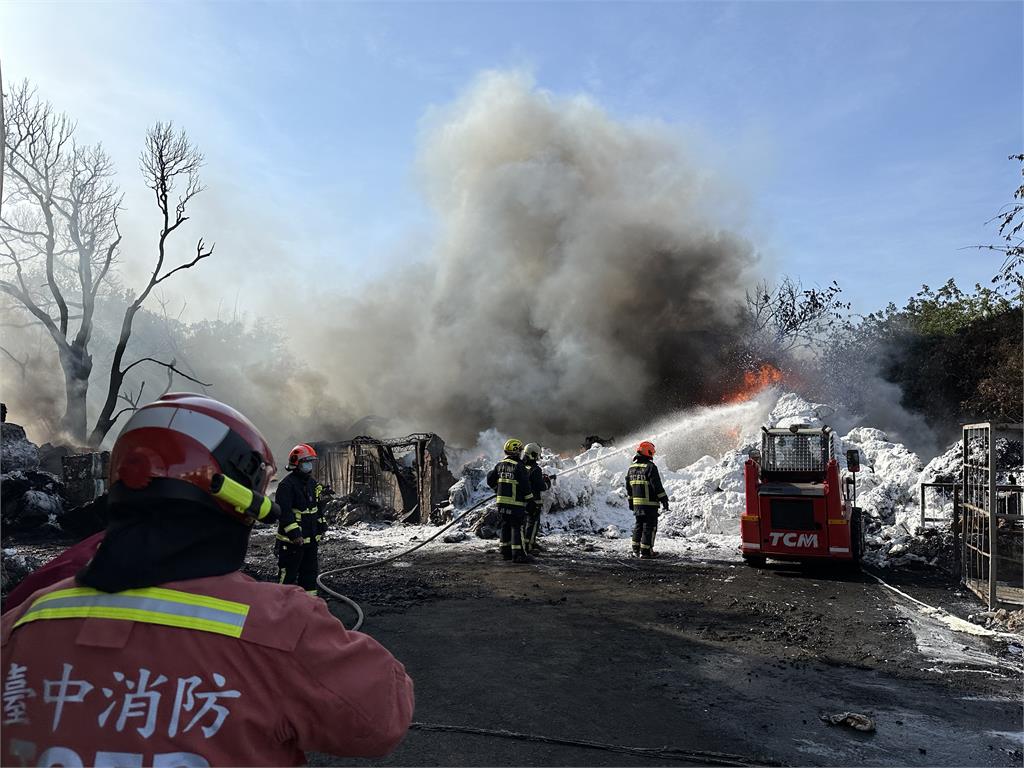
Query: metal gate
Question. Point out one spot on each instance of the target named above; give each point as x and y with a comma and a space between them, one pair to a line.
992, 521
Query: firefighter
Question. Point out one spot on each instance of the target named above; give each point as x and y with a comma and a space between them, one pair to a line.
539, 483
645, 493
302, 525
161, 652
511, 483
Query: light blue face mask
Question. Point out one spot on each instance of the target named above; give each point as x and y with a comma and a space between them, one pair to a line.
305, 467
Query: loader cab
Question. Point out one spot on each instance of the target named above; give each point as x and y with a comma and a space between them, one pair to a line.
796, 508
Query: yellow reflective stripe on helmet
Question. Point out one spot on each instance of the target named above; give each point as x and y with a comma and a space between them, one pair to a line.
154, 605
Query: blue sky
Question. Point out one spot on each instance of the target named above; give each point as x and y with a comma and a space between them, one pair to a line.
868, 139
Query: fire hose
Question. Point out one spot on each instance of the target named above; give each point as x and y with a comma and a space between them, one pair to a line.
701, 757
373, 563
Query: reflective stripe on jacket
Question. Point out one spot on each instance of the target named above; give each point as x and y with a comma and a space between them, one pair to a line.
643, 484
511, 483
221, 670
298, 496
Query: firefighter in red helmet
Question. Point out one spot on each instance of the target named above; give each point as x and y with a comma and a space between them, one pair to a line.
645, 493
302, 523
161, 652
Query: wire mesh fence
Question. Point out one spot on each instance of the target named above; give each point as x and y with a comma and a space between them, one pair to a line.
992, 560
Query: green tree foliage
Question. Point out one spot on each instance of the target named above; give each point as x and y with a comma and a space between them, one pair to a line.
957, 356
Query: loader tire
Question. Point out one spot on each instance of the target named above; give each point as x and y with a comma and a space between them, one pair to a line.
755, 561
856, 538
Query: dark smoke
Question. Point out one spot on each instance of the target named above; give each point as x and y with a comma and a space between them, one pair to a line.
582, 279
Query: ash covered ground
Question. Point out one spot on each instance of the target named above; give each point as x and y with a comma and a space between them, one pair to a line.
697, 653
694, 651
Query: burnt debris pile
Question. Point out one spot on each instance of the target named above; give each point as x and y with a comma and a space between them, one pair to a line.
400, 479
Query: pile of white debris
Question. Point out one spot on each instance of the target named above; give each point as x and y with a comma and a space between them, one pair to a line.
701, 455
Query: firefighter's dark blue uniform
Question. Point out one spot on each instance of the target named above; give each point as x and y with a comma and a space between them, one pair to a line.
511, 484
538, 484
303, 523
645, 493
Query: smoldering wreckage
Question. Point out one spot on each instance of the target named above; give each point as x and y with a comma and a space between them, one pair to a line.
916, 615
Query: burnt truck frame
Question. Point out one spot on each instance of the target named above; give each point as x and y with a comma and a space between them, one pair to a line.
796, 507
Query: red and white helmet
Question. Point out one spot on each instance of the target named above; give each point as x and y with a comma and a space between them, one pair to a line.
300, 452
172, 448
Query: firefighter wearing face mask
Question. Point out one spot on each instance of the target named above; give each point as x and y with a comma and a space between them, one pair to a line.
302, 523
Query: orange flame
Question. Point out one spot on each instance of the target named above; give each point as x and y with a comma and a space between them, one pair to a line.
754, 382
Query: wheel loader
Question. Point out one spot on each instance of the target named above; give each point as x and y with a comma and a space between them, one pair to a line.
797, 508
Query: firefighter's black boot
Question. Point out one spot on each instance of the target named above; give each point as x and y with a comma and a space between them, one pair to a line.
506, 537
519, 554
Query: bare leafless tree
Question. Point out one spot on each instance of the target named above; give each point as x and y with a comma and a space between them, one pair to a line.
1011, 232
59, 238
169, 162
793, 316
58, 234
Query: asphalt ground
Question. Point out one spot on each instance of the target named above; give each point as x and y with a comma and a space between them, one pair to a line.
694, 657
686, 659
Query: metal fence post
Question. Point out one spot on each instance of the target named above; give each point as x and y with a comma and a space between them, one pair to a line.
922, 506
957, 554
993, 520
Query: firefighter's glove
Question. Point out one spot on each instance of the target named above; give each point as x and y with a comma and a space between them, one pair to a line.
664, 504
552, 478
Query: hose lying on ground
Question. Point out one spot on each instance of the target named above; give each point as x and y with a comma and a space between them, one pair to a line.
449, 524
664, 753
453, 521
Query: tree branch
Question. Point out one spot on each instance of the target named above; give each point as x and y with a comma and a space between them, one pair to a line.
171, 365
200, 255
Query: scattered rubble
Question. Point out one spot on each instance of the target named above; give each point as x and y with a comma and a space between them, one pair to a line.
29, 499
853, 720
17, 452
1000, 620
34, 497
14, 567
